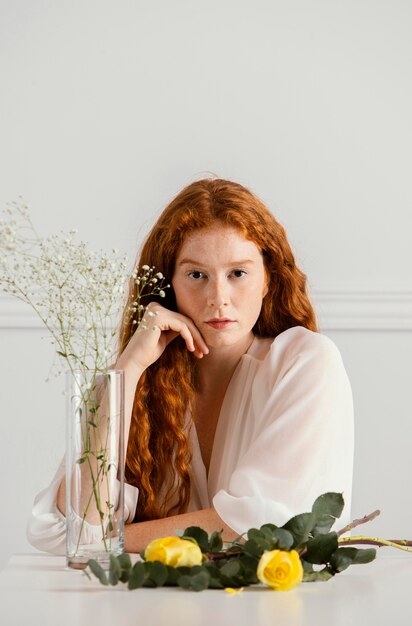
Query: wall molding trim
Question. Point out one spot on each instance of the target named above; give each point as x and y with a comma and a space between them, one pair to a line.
364, 310
337, 310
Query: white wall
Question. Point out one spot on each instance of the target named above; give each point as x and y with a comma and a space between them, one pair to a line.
108, 108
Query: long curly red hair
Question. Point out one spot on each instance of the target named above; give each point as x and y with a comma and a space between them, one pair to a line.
158, 453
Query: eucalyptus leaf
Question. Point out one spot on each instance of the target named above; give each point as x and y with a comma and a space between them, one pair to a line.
323, 575
215, 580
197, 582
364, 555
115, 570
137, 575
271, 527
262, 539
215, 541
321, 548
255, 534
172, 575
300, 526
326, 508
343, 557
156, 572
252, 548
249, 567
231, 568
283, 538
98, 571
199, 535
125, 565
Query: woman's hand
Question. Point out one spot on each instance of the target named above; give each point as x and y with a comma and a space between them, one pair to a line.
157, 329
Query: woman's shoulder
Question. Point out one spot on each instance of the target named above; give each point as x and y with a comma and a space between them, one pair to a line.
295, 340
299, 359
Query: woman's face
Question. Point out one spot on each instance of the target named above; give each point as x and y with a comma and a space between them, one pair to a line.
220, 282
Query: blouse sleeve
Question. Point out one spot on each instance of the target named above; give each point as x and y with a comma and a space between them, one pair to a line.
46, 528
302, 441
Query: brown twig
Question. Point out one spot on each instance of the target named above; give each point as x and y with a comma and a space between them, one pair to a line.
217, 556
358, 522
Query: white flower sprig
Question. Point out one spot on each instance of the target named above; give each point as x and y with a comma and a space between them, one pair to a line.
77, 293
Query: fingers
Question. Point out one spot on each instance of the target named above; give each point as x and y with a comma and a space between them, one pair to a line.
172, 324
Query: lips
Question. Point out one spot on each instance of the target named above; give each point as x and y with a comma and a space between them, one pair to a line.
219, 323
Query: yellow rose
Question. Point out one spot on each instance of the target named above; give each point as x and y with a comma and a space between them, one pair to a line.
174, 551
280, 570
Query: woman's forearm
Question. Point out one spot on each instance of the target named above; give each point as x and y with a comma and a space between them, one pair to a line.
138, 536
132, 376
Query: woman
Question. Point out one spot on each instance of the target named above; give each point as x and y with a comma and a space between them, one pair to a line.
238, 412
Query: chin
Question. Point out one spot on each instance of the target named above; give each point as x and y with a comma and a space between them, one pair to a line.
222, 340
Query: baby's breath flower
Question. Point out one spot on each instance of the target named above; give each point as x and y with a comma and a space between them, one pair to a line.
78, 293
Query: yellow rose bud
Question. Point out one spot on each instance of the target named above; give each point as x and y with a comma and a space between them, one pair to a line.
174, 551
280, 570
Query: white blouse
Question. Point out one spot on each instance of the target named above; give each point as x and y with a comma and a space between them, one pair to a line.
284, 437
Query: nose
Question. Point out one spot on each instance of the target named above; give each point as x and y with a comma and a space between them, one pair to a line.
218, 294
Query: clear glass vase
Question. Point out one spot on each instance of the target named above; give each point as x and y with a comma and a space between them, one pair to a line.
94, 467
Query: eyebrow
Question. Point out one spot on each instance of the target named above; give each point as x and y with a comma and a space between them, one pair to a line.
231, 264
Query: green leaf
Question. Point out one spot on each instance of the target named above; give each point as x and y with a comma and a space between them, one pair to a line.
364, 555
283, 538
197, 582
255, 534
261, 540
215, 581
81, 460
321, 548
157, 573
252, 548
267, 534
98, 571
125, 565
137, 575
231, 568
341, 559
199, 535
300, 526
184, 581
249, 567
172, 575
327, 508
323, 575
271, 527
125, 561
344, 557
115, 570
307, 567
215, 541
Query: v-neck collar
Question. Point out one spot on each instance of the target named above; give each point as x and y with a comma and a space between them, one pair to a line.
256, 351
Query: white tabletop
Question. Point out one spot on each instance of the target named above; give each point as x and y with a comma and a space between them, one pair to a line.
38, 589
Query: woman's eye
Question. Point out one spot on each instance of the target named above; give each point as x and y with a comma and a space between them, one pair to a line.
196, 275
238, 273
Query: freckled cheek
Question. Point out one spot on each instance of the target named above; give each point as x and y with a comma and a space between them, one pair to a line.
185, 300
